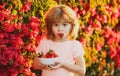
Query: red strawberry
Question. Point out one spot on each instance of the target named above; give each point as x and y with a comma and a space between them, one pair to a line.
49, 54
52, 54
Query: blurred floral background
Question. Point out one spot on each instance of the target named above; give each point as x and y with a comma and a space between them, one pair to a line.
22, 27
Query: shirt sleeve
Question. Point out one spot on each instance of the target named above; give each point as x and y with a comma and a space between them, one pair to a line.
78, 49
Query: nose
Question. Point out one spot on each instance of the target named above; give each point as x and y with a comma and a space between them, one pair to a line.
60, 28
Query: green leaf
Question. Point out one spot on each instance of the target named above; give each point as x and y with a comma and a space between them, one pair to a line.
10, 62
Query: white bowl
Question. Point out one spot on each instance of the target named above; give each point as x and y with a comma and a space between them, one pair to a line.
48, 61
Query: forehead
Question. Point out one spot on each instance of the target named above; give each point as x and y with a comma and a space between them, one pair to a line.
61, 19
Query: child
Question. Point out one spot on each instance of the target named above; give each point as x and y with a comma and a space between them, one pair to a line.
61, 31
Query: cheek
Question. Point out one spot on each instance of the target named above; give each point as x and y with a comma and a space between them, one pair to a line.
54, 30
69, 29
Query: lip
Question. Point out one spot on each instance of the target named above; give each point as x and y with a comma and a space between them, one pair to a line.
60, 35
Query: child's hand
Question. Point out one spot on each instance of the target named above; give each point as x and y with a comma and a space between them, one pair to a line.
55, 66
37, 65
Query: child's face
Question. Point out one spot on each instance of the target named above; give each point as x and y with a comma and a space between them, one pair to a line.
61, 30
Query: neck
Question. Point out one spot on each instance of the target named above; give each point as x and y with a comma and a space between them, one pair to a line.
60, 40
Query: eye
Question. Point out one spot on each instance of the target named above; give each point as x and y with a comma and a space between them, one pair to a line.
55, 24
64, 24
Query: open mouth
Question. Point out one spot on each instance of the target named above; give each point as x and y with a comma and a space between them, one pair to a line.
60, 35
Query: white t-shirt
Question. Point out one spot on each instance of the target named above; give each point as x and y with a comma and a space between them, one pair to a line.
66, 52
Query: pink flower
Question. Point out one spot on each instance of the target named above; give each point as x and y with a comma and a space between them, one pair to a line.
108, 9
93, 11
97, 16
75, 8
26, 7
99, 46
118, 36
88, 30
107, 31
115, 13
82, 12
104, 18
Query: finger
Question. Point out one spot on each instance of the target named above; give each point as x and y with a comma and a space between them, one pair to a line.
47, 67
55, 67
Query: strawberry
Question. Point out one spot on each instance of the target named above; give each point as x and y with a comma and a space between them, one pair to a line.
52, 54
55, 55
49, 54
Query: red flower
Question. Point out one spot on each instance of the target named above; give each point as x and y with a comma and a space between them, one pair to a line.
8, 27
107, 32
25, 29
31, 47
1, 35
34, 23
18, 26
118, 36
1, 17
110, 40
118, 50
83, 42
87, 6
117, 60
34, 34
113, 52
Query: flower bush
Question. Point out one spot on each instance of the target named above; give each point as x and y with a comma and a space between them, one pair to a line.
18, 38
22, 26
100, 36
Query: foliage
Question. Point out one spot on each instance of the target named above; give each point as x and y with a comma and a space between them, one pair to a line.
99, 34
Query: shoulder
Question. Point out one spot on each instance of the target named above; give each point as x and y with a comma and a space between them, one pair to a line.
76, 42
77, 49
43, 40
77, 45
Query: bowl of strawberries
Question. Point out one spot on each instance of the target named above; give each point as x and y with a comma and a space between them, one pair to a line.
48, 58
